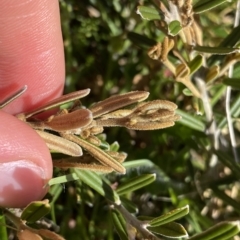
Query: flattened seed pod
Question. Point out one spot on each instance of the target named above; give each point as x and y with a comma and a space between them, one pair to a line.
115, 102
70, 122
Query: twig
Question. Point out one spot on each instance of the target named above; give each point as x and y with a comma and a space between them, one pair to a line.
139, 225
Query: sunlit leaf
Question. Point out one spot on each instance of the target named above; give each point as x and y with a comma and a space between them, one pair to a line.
205, 5
170, 216
63, 179
195, 64
216, 50
190, 121
3, 229
35, 211
119, 224
148, 13
98, 184
174, 28
218, 231
171, 230
136, 183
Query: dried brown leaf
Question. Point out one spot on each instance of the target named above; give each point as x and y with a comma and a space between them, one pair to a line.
156, 104
74, 164
97, 153
71, 122
60, 144
115, 102
59, 101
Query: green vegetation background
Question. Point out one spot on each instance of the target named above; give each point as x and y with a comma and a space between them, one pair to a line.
100, 56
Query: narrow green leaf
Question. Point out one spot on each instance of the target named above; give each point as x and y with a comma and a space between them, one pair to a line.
174, 28
216, 50
230, 40
129, 205
232, 82
205, 5
114, 146
171, 230
136, 183
35, 211
148, 13
195, 64
234, 110
218, 94
187, 92
98, 184
217, 231
190, 121
63, 179
141, 40
170, 216
228, 235
55, 192
119, 224
138, 163
3, 229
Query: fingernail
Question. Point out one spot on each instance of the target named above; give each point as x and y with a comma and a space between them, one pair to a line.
21, 182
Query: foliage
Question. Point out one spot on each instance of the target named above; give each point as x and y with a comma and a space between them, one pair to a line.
187, 173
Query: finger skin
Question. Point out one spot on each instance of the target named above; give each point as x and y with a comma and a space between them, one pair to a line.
31, 52
26, 164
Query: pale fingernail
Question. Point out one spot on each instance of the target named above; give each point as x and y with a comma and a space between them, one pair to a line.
21, 182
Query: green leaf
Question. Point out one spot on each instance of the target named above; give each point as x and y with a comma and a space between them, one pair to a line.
230, 40
3, 229
114, 146
119, 224
136, 183
171, 230
195, 64
141, 40
174, 28
216, 50
63, 179
228, 235
187, 92
234, 110
148, 13
216, 232
35, 211
170, 216
138, 163
98, 184
190, 121
232, 82
205, 5
129, 205
55, 192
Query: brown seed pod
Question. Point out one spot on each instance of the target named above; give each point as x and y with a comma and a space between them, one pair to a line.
70, 122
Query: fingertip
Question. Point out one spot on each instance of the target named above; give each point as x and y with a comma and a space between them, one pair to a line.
25, 163
31, 53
